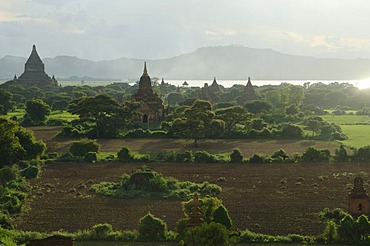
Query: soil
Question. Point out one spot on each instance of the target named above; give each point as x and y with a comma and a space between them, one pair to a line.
277, 199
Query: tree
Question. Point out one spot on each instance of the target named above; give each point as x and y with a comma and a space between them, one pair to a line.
314, 126
6, 101
232, 116
17, 143
292, 109
152, 228
236, 156
347, 229
174, 98
363, 227
82, 147
36, 112
257, 107
197, 122
104, 114
341, 154
221, 216
291, 131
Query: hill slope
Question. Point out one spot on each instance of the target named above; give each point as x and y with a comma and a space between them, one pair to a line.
225, 62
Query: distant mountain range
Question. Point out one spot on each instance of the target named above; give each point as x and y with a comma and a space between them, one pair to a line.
224, 62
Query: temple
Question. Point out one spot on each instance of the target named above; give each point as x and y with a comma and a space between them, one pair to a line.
249, 94
358, 199
152, 106
34, 73
210, 93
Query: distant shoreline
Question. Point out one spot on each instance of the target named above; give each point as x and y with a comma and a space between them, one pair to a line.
360, 84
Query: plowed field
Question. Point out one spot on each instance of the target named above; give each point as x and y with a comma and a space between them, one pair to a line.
276, 199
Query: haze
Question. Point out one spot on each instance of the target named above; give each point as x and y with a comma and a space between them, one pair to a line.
149, 29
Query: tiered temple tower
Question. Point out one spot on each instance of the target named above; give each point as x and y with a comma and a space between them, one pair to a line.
152, 106
358, 199
249, 94
34, 73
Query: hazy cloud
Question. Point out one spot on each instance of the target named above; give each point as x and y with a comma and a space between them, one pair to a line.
107, 29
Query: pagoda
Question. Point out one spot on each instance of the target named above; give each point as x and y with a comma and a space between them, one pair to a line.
34, 73
152, 106
249, 94
358, 199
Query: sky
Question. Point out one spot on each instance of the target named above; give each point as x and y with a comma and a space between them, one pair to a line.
155, 29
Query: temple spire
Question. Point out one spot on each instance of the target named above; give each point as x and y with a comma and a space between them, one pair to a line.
145, 73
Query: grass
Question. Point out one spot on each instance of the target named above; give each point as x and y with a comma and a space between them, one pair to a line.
358, 135
356, 127
347, 119
56, 114
62, 115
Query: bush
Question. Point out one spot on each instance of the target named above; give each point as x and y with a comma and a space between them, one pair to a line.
82, 147
91, 157
236, 156
256, 159
138, 133
30, 172
8, 174
101, 231
204, 157
152, 229
125, 155
186, 156
314, 155
362, 154
206, 234
221, 216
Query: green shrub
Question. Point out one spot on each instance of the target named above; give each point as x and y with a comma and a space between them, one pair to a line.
204, 157
125, 155
362, 154
221, 215
256, 159
82, 147
314, 155
146, 182
91, 157
138, 133
206, 235
186, 156
8, 174
101, 231
236, 156
30, 172
152, 229
5, 220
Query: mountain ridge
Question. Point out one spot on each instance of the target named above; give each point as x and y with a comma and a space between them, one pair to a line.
224, 62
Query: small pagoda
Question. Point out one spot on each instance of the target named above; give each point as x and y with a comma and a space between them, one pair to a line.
152, 106
249, 94
34, 73
195, 218
358, 199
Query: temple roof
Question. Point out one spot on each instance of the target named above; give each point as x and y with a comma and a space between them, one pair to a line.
34, 57
145, 73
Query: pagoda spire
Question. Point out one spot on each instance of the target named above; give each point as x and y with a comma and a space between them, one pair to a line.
145, 73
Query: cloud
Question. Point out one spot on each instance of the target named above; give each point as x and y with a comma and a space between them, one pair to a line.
218, 34
329, 42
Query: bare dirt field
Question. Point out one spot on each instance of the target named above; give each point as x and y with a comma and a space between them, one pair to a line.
276, 199
247, 146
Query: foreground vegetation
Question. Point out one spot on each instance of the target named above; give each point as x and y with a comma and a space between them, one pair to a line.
84, 113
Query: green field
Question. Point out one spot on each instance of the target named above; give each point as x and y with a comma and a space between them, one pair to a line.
53, 115
347, 119
356, 127
358, 135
